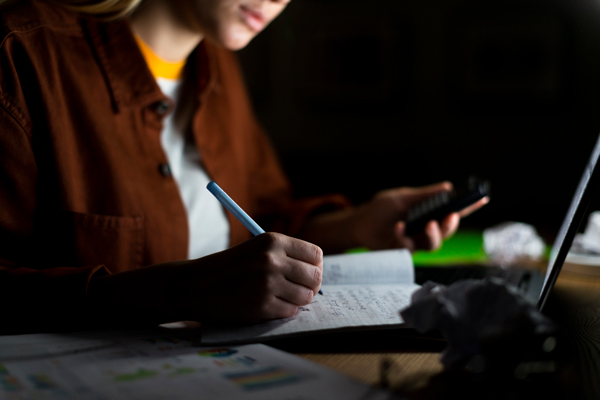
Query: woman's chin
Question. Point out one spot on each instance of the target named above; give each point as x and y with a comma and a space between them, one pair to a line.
235, 39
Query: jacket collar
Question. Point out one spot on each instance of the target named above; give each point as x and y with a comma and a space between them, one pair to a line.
127, 76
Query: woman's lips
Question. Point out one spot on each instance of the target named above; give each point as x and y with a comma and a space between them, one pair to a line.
254, 18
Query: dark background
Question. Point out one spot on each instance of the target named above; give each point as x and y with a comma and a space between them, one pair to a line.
363, 95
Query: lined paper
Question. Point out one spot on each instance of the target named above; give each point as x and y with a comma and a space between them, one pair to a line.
365, 290
343, 307
386, 266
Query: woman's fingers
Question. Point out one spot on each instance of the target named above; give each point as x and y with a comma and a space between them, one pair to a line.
473, 207
303, 274
303, 251
277, 308
449, 224
294, 293
430, 238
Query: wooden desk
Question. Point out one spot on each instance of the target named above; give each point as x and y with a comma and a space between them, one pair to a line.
415, 371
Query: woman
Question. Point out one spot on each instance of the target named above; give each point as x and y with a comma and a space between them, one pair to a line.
114, 114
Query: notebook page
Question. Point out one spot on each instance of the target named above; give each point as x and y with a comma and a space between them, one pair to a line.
342, 307
386, 266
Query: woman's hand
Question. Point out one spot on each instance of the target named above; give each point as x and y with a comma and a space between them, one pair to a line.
266, 277
379, 223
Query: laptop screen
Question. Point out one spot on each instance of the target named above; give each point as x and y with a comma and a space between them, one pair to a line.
588, 183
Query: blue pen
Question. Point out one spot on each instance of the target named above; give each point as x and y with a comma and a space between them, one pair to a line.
236, 210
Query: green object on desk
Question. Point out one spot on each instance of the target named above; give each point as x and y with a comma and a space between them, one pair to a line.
465, 247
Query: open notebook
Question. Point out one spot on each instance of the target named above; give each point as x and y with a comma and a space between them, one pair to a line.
362, 291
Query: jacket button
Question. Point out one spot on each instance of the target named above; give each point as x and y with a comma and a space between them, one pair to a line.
165, 170
161, 107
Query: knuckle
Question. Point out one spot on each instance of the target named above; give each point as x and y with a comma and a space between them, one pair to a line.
270, 260
317, 275
267, 263
267, 240
317, 253
302, 297
309, 297
272, 240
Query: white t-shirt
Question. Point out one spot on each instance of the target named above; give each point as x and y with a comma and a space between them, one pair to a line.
207, 222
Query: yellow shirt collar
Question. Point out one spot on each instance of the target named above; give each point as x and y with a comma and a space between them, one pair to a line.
159, 67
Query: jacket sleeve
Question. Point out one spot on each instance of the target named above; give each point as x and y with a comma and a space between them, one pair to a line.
273, 194
36, 294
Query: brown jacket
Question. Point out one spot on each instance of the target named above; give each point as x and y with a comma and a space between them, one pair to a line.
85, 187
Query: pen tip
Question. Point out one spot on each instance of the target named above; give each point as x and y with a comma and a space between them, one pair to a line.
320, 292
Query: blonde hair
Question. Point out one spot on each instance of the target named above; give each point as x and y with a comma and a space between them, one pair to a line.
109, 9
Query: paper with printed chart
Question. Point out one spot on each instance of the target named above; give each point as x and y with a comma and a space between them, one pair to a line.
161, 364
361, 291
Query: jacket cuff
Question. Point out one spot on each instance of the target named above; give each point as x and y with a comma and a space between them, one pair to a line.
306, 208
53, 299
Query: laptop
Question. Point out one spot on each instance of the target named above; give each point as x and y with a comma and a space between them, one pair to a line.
535, 285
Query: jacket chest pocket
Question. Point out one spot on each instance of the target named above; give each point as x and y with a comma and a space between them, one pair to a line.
91, 239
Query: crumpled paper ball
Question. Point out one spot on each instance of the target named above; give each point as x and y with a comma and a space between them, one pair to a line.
481, 319
588, 242
511, 243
